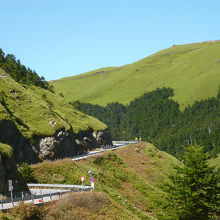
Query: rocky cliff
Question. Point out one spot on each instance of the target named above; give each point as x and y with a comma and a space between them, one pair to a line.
8, 171
61, 144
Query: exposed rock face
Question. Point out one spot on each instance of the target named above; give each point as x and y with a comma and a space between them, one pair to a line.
48, 147
103, 137
8, 171
60, 145
9, 134
92, 139
65, 144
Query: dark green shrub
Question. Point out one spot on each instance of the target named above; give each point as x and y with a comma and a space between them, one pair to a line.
27, 172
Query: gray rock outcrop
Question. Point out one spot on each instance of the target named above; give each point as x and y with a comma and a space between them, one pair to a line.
61, 144
103, 137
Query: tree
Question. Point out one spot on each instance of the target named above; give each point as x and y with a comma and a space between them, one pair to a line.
156, 118
76, 104
20, 73
27, 172
192, 190
61, 95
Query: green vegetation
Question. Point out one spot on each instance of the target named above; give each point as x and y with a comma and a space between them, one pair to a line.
216, 161
27, 172
129, 177
6, 150
37, 111
135, 182
192, 70
87, 205
112, 115
21, 73
156, 118
25, 211
193, 189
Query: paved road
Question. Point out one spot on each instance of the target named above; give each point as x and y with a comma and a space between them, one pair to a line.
117, 144
39, 186
39, 196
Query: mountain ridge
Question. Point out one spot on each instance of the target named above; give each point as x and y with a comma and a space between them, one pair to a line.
190, 69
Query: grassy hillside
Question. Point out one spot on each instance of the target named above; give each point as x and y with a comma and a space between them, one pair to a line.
192, 70
129, 176
36, 111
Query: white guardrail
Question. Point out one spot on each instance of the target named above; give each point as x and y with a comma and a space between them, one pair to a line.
40, 193
60, 186
116, 144
93, 153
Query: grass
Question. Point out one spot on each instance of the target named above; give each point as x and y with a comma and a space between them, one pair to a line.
75, 206
6, 150
25, 211
88, 205
36, 111
129, 176
192, 70
216, 161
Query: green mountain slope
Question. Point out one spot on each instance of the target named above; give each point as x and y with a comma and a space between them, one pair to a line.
129, 176
192, 70
33, 108
34, 121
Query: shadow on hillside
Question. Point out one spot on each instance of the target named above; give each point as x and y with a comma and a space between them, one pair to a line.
16, 119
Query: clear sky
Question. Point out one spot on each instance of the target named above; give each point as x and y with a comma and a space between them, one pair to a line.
59, 38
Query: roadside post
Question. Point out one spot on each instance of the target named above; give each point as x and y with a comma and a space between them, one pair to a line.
10, 188
90, 173
1, 196
82, 181
92, 179
41, 195
32, 198
50, 195
92, 183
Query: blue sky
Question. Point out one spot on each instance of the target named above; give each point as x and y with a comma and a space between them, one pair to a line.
59, 38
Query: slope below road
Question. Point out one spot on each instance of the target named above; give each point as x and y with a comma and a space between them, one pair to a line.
129, 175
